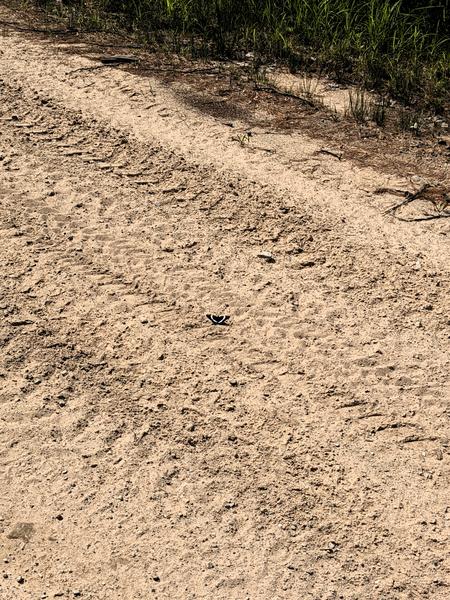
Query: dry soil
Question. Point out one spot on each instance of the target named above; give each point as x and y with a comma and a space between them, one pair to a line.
299, 452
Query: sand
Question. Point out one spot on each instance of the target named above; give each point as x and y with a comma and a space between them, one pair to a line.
299, 452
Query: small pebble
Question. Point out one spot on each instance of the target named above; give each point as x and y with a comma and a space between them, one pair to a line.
306, 263
267, 256
20, 580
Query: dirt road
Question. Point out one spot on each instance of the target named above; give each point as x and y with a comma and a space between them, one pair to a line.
299, 452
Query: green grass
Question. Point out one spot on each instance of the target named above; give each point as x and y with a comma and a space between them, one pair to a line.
397, 47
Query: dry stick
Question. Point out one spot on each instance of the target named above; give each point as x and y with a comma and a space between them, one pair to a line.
100, 45
427, 218
274, 90
213, 70
390, 191
409, 198
330, 152
270, 150
30, 29
417, 438
107, 62
216, 203
94, 68
68, 31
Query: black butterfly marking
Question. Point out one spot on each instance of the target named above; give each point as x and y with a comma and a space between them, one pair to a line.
218, 320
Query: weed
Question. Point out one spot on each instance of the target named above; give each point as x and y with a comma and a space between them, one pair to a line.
308, 89
364, 107
378, 110
359, 105
243, 139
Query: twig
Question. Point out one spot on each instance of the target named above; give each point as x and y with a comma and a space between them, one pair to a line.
427, 218
213, 70
390, 191
352, 404
269, 150
396, 425
409, 198
273, 90
417, 438
108, 61
18, 27
370, 415
394, 208
94, 68
337, 155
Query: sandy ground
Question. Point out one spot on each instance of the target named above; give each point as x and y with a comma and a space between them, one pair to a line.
302, 451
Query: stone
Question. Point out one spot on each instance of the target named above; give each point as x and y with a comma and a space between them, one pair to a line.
21, 531
267, 256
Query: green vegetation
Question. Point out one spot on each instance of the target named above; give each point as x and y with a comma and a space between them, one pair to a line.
398, 47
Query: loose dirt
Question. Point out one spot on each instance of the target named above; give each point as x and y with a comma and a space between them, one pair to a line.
301, 451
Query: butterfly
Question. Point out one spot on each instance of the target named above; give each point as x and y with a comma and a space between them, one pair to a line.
218, 320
